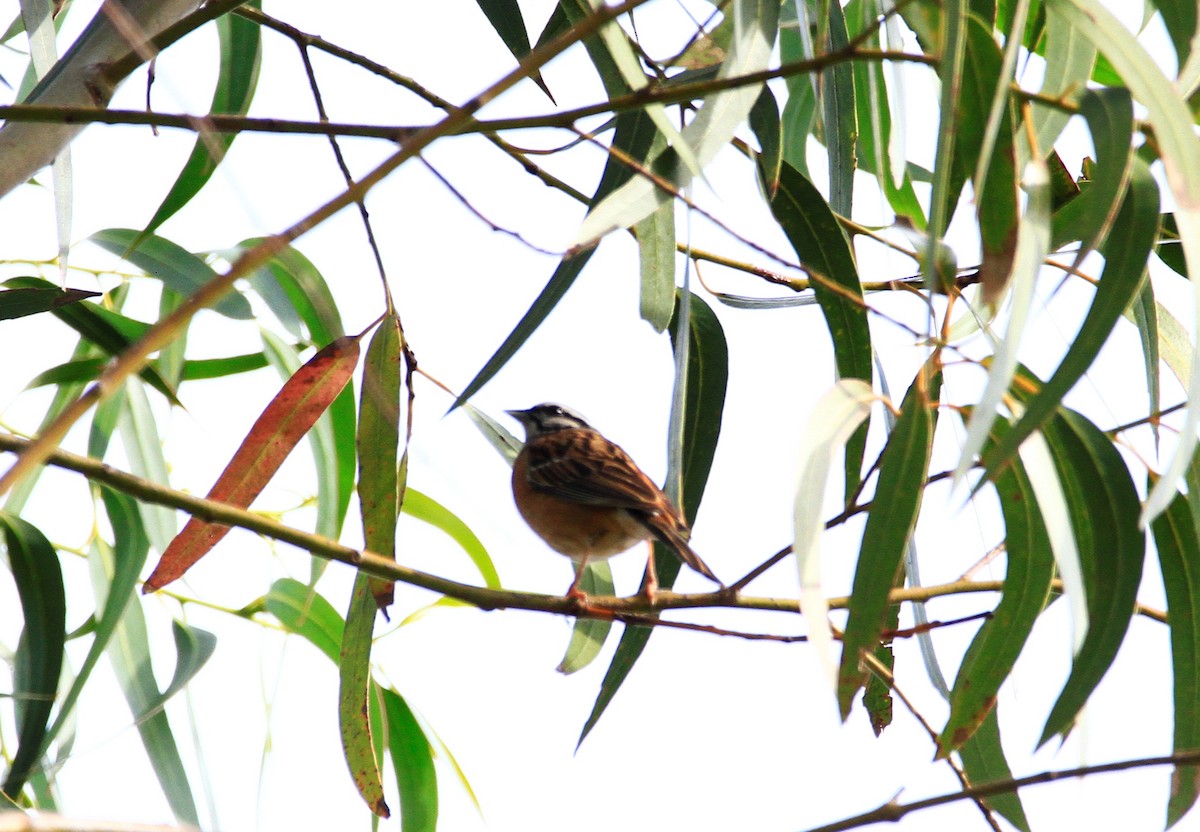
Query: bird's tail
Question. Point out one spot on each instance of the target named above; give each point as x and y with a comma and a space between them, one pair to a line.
675, 536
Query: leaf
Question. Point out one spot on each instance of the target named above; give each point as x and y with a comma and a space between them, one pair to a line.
19, 303
903, 467
424, 508
1033, 243
983, 761
39, 659
1126, 251
1029, 572
816, 235
505, 17
709, 131
139, 436
835, 417
707, 372
838, 113
1179, 149
283, 423
305, 612
129, 652
1175, 537
764, 121
412, 762
241, 55
1102, 503
588, 634
633, 136
379, 489
100, 327
656, 250
169, 262
354, 673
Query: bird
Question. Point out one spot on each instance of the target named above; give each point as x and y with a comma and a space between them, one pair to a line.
587, 498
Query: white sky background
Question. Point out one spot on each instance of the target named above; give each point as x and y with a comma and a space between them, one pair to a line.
707, 733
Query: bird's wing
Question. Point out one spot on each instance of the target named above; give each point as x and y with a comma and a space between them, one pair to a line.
584, 467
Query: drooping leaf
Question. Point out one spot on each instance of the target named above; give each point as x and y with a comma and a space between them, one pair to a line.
412, 762
903, 468
814, 232
283, 423
354, 673
983, 761
839, 116
305, 612
38, 666
428, 510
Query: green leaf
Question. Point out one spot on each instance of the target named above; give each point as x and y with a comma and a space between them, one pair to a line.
1070, 57
764, 121
903, 468
102, 328
139, 435
424, 508
129, 652
412, 762
704, 404
38, 666
241, 55
656, 257
1126, 251
800, 109
379, 489
19, 303
1103, 507
305, 612
838, 113
354, 672
505, 17
297, 292
1029, 572
634, 134
816, 235
589, 634
130, 548
1175, 537
176, 267
983, 761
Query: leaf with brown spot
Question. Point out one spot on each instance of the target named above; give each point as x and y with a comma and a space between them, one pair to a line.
284, 422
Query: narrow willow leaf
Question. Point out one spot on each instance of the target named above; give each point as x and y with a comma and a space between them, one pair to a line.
633, 136
588, 634
903, 468
838, 116
129, 652
1178, 544
305, 612
354, 672
237, 77
169, 262
139, 436
983, 761
379, 493
1070, 57
816, 235
422, 507
1102, 501
704, 405
129, 551
800, 110
1179, 149
950, 71
1126, 251
1029, 570
1033, 243
764, 121
505, 17
835, 417
283, 423
102, 328
18, 303
755, 24
1145, 316
656, 257
412, 761
39, 660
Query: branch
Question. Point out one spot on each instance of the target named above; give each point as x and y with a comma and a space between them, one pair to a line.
892, 811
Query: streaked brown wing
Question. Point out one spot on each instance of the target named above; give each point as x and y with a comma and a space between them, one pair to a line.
584, 467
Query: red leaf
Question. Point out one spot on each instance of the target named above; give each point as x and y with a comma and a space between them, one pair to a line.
284, 422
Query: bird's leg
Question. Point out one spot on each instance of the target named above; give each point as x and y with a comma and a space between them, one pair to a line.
574, 591
650, 578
